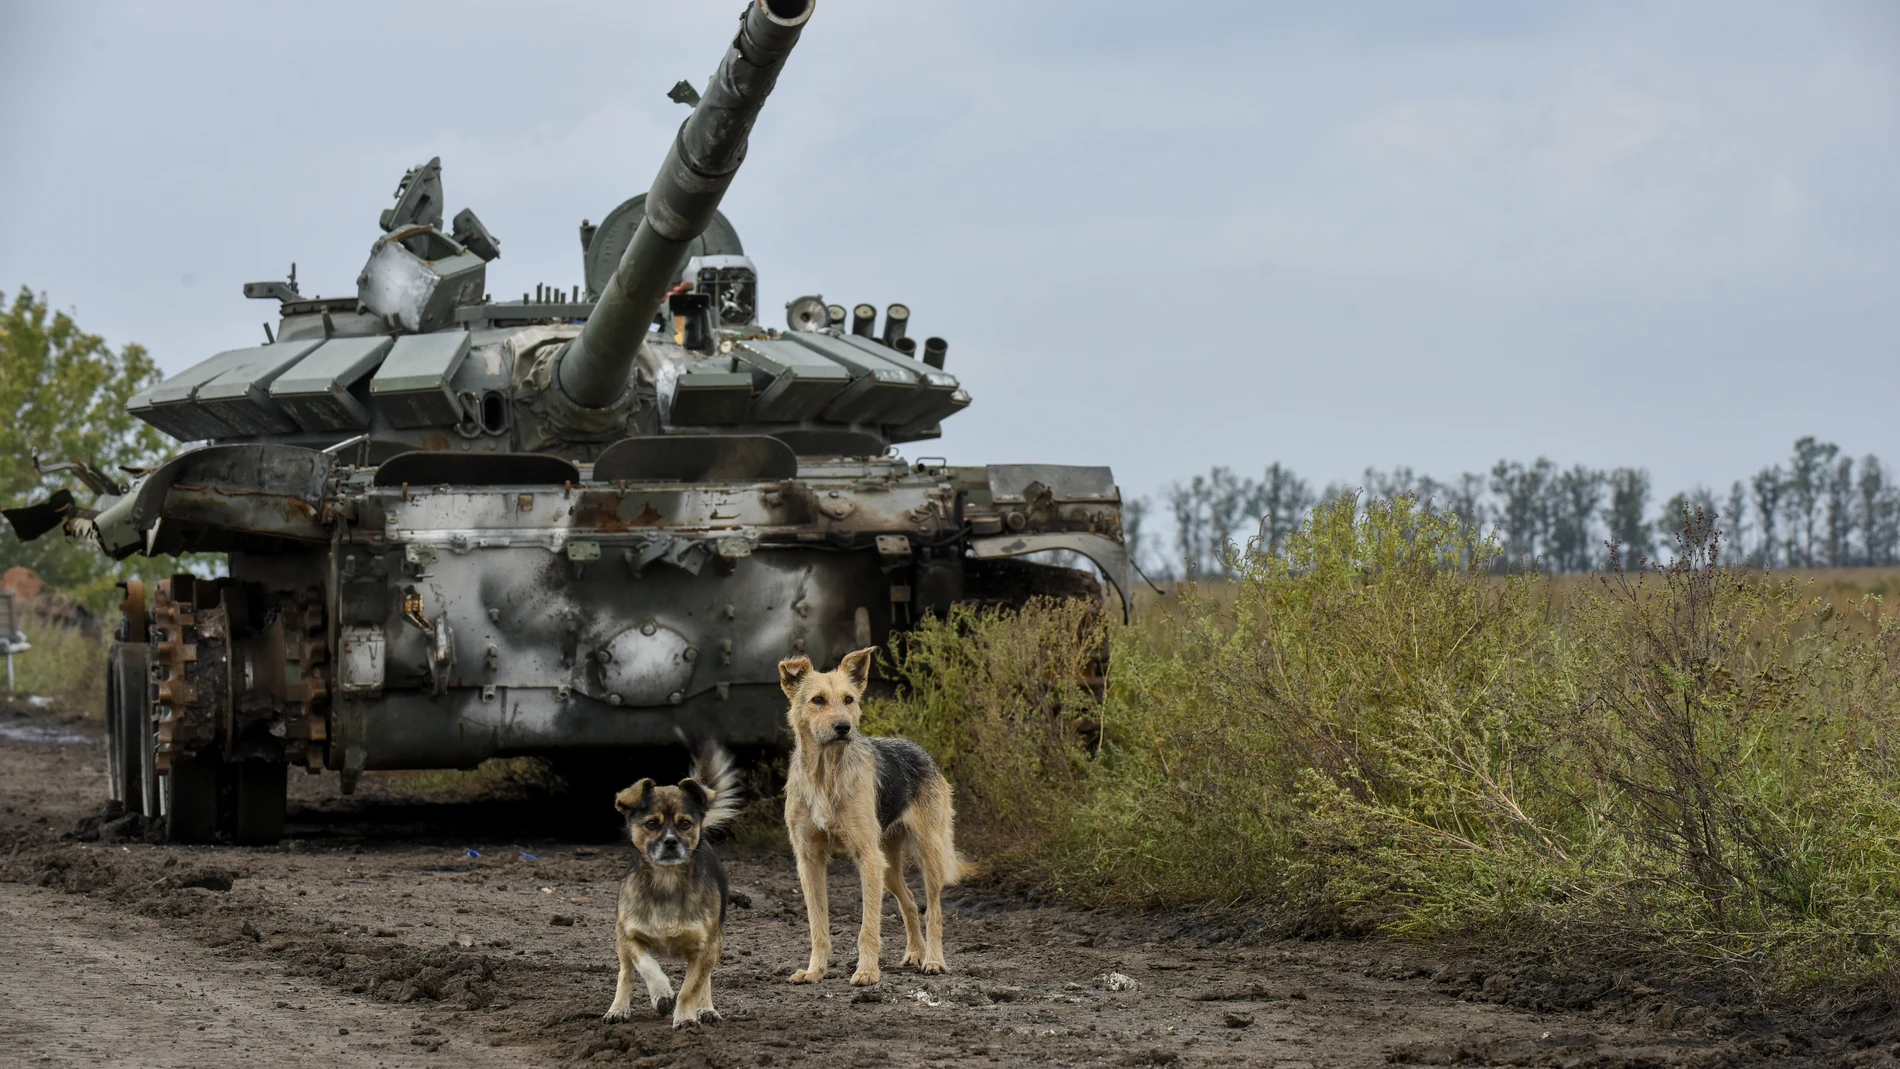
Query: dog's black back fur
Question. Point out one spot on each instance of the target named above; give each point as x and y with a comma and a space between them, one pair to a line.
902, 767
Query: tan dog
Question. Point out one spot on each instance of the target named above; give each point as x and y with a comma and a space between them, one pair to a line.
880, 801
673, 897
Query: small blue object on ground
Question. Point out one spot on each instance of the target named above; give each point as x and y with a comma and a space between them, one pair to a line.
472, 852
529, 856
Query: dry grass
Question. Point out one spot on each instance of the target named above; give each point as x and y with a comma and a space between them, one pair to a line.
64, 665
1692, 769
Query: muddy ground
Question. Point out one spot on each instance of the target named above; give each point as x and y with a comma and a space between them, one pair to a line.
373, 936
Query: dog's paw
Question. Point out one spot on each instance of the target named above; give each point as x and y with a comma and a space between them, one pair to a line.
865, 976
617, 1013
663, 1006
932, 967
808, 976
699, 1018
913, 959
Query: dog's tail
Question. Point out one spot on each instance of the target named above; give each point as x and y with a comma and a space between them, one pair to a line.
959, 869
716, 771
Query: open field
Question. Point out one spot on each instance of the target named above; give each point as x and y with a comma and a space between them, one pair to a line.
1365, 806
373, 918
1691, 773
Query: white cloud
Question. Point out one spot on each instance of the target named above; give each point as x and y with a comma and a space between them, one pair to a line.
1595, 136
1443, 137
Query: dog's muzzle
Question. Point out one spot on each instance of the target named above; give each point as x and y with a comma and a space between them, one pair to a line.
840, 731
667, 851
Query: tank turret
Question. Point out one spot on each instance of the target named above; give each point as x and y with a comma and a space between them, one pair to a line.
682, 202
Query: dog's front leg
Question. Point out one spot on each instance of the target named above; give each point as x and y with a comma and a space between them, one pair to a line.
812, 856
870, 932
623, 988
695, 1002
659, 988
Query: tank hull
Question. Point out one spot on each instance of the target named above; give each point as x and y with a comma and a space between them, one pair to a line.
369, 623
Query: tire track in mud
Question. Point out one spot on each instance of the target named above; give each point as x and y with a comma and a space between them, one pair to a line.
375, 908
83, 988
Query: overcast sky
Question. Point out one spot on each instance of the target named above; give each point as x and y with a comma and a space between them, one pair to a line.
1158, 236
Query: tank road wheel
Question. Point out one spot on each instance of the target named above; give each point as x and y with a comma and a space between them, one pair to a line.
144, 735
127, 705
259, 789
115, 748
181, 756
188, 795
212, 746
128, 700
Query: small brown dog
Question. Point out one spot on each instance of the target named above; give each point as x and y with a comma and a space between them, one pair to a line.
673, 897
880, 801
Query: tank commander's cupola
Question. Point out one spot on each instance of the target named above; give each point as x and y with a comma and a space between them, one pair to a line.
417, 276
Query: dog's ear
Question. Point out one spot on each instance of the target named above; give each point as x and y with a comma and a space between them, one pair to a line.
791, 673
857, 666
697, 794
634, 798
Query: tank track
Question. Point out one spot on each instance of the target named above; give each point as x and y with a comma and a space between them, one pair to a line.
207, 707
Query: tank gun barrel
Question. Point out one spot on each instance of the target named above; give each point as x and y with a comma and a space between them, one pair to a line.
685, 195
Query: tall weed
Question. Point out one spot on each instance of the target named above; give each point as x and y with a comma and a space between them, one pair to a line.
1371, 731
1003, 701
1738, 739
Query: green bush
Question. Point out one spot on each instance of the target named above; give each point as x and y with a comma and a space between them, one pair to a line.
1002, 700
1370, 731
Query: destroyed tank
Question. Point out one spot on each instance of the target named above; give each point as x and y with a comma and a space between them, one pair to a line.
460, 528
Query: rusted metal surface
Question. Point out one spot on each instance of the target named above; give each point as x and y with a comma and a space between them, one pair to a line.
480, 619
174, 656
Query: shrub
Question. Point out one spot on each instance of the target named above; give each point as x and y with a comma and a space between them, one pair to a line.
1002, 700
1738, 742
1370, 731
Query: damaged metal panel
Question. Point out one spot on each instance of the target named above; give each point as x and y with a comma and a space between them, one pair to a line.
1108, 554
543, 659
878, 386
412, 389
224, 496
361, 660
930, 424
31, 521
1064, 482
168, 405
801, 382
702, 398
240, 397
316, 392
934, 387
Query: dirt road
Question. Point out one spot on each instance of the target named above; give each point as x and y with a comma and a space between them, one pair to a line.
374, 937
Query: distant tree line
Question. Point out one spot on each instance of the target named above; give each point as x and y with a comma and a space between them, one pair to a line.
1819, 509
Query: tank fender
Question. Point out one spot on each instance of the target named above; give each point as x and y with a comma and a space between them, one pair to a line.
1107, 554
243, 489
